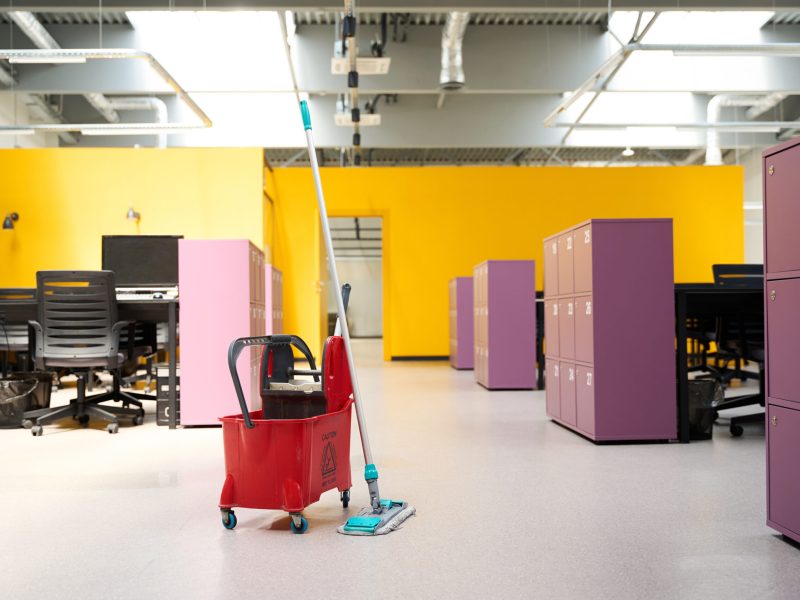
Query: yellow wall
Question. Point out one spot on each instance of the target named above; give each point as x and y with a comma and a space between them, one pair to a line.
68, 198
440, 221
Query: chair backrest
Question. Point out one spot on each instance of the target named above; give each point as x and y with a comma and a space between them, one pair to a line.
739, 276
77, 310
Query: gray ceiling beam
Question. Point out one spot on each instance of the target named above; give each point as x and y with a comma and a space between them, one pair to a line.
408, 5
497, 60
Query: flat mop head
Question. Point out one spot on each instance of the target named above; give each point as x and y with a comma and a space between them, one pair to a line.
391, 515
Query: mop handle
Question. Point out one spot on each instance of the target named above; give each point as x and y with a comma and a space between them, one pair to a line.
340, 310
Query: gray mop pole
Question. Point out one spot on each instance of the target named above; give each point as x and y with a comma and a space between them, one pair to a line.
370, 471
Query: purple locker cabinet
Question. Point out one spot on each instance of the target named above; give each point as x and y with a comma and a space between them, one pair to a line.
615, 330
505, 324
461, 323
781, 172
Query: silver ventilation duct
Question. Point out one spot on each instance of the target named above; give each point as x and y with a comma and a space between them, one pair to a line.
451, 76
42, 39
156, 105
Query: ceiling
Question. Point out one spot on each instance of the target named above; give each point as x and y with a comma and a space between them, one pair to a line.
521, 61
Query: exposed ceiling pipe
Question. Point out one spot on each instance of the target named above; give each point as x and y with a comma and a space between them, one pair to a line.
713, 114
156, 105
451, 77
764, 104
42, 39
37, 104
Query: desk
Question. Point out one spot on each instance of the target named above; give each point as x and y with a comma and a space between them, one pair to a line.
157, 311
703, 300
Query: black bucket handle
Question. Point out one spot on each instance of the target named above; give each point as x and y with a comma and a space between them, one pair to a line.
235, 349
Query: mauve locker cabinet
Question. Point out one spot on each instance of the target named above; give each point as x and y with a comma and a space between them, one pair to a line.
222, 294
615, 331
781, 172
461, 323
505, 324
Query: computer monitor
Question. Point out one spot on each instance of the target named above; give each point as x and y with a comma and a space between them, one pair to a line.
142, 260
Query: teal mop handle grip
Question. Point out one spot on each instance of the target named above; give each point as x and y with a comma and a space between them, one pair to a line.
306, 115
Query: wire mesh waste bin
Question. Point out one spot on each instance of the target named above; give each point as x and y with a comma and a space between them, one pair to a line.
704, 395
15, 399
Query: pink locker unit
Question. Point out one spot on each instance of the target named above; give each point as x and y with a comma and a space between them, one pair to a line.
222, 297
274, 300
504, 293
461, 323
781, 172
609, 329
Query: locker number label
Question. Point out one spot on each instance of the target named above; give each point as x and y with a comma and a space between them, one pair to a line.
555, 310
554, 248
569, 243
589, 307
589, 379
571, 374
587, 237
555, 370
570, 309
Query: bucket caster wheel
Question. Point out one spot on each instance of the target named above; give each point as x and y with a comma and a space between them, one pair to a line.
299, 524
345, 498
737, 430
36, 430
112, 428
228, 519
27, 423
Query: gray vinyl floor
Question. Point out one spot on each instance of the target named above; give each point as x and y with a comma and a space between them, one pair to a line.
509, 505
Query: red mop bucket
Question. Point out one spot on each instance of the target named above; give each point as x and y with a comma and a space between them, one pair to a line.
285, 464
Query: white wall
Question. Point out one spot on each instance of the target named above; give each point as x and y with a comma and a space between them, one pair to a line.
753, 208
365, 312
13, 111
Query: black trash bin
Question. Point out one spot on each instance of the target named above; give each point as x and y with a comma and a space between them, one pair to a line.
704, 394
41, 395
15, 399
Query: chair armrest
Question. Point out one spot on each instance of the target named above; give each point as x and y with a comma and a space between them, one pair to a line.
116, 330
38, 348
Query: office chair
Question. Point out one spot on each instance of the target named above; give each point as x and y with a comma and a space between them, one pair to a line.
14, 336
77, 329
741, 338
139, 341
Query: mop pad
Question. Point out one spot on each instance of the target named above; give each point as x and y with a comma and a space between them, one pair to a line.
392, 516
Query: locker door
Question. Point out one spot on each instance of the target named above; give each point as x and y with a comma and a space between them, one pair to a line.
551, 327
784, 484
551, 267
567, 390
566, 328
584, 329
552, 388
585, 398
782, 212
783, 333
583, 259
565, 263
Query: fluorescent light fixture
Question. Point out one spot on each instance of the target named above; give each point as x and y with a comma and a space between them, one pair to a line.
16, 131
367, 120
628, 152
46, 60
131, 130
364, 66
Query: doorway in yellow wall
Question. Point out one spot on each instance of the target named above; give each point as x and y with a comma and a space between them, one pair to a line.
358, 244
